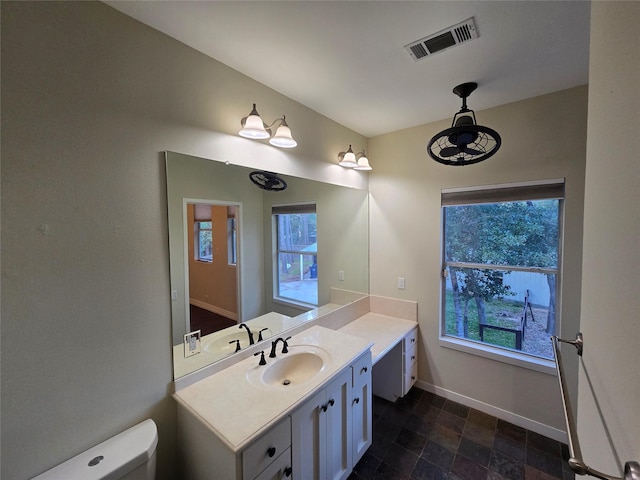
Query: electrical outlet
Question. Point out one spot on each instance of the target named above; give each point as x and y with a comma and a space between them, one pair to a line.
192, 343
341, 275
174, 294
401, 283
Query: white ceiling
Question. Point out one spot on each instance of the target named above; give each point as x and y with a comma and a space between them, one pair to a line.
345, 59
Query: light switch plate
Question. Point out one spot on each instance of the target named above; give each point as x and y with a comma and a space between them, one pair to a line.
192, 343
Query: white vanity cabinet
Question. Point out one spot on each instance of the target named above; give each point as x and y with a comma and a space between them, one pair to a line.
205, 457
397, 371
332, 430
409, 360
238, 425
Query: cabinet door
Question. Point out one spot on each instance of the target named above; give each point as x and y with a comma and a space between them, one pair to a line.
338, 435
307, 448
361, 406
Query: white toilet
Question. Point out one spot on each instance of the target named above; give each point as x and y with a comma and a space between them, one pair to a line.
130, 455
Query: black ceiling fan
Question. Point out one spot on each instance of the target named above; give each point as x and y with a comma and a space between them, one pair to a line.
466, 142
268, 181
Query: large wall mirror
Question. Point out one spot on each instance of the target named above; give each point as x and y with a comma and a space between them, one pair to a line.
269, 260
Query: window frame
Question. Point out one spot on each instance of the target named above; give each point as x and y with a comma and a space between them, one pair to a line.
490, 194
276, 210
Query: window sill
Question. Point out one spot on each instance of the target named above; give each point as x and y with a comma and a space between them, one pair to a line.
505, 356
295, 304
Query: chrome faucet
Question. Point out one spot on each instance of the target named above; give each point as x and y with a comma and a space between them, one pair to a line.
274, 344
251, 342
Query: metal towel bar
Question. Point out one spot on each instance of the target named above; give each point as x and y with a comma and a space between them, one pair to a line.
631, 469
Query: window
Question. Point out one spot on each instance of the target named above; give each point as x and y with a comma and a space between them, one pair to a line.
501, 249
203, 239
296, 267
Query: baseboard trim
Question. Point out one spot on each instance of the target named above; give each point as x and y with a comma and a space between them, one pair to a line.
214, 309
519, 420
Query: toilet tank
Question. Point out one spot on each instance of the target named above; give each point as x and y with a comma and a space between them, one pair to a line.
130, 455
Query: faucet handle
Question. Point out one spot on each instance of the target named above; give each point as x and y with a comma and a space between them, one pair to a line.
260, 333
262, 360
237, 340
285, 345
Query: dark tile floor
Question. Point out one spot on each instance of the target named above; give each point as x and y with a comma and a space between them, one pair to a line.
426, 437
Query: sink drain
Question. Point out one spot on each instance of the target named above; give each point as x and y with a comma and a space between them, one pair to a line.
286, 382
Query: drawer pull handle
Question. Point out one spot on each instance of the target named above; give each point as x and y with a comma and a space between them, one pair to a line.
287, 471
332, 402
271, 451
364, 370
356, 400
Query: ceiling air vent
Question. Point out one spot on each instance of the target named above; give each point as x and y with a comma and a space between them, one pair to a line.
439, 41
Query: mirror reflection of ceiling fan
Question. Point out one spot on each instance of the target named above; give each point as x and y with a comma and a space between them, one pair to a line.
268, 181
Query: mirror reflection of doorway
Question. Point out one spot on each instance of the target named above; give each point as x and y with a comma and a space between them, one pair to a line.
212, 276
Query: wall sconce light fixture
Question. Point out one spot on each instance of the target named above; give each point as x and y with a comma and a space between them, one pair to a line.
357, 161
253, 127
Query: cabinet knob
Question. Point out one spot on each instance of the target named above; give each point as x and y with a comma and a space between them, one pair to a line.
412, 377
413, 357
330, 403
271, 451
356, 400
364, 370
288, 471
413, 340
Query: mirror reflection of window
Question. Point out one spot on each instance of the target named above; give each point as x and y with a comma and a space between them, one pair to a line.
296, 269
204, 240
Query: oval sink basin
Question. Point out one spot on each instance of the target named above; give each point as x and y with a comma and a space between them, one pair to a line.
287, 370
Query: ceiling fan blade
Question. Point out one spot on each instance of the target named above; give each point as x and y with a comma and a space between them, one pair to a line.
471, 151
449, 151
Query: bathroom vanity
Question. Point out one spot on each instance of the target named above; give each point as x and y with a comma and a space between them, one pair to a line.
253, 421
305, 414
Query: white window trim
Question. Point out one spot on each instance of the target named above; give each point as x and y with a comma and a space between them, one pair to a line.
472, 347
498, 354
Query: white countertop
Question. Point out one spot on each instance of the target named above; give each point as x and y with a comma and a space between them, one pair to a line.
238, 411
383, 330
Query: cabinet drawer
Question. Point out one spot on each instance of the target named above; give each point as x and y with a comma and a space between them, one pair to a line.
410, 340
362, 369
410, 378
280, 468
257, 456
410, 358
